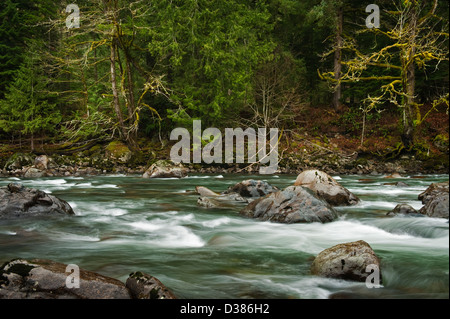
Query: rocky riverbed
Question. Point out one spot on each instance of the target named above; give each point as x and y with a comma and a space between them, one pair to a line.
116, 158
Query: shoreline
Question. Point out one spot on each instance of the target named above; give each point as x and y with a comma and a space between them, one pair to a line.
357, 167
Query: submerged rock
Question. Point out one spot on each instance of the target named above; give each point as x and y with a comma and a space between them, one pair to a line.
295, 204
144, 286
215, 202
394, 175
347, 261
436, 200
398, 184
17, 201
403, 209
326, 187
165, 169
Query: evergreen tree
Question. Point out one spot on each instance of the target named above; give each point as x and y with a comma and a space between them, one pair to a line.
27, 108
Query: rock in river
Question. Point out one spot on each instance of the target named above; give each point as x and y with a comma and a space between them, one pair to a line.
252, 188
47, 279
347, 261
144, 286
17, 201
165, 169
436, 200
326, 187
294, 204
403, 209
240, 193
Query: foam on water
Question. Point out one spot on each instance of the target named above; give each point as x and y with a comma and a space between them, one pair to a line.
69, 237
155, 227
315, 237
216, 222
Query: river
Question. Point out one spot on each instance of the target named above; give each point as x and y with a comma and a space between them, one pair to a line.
127, 223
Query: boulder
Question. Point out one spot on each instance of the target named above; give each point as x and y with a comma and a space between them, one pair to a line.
17, 201
403, 209
294, 204
18, 160
144, 286
204, 191
41, 162
436, 200
394, 175
326, 187
46, 279
347, 261
33, 172
252, 188
437, 207
165, 169
433, 190
240, 193
118, 151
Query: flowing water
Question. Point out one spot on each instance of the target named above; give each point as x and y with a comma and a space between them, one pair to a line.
125, 224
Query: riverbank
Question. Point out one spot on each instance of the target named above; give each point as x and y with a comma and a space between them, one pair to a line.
104, 162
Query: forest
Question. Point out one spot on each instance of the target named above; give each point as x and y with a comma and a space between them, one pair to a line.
336, 76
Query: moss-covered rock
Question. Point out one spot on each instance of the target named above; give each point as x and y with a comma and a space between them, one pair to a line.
19, 160
441, 142
118, 151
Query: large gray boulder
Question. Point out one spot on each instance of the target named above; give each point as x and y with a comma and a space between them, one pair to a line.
347, 261
436, 200
433, 190
165, 169
17, 201
294, 204
326, 187
46, 279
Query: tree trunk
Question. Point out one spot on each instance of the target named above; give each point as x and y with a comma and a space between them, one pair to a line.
410, 105
131, 100
116, 101
338, 60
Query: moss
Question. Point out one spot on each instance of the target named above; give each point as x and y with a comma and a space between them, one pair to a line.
154, 293
20, 160
19, 269
441, 142
136, 275
117, 147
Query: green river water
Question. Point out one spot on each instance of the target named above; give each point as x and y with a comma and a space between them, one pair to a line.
127, 223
